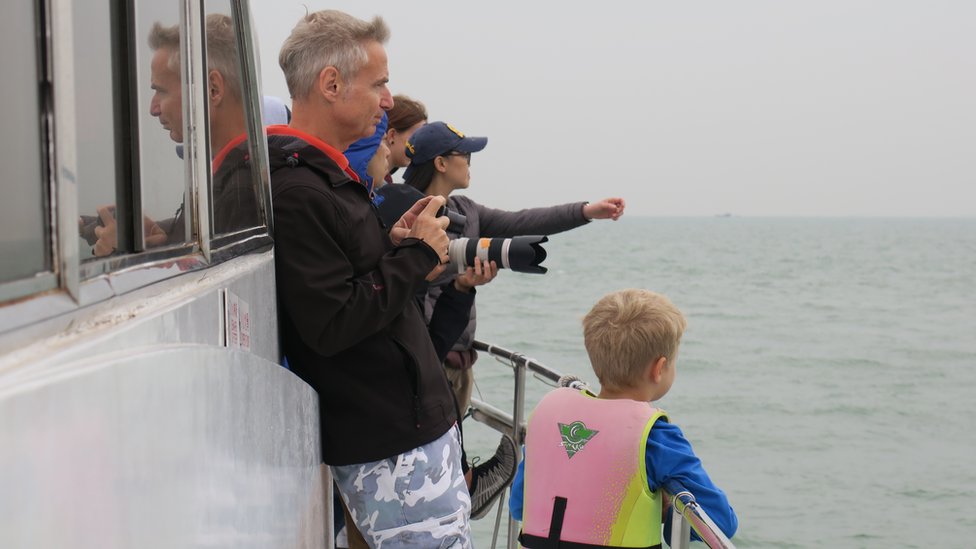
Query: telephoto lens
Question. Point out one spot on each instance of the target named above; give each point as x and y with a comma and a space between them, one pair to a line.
521, 253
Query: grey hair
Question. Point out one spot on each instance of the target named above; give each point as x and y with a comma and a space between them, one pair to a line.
221, 48
166, 38
327, 38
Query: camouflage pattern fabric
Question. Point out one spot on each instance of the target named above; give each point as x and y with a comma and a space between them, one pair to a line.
415, 500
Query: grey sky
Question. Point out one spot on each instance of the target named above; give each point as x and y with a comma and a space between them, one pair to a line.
753, 108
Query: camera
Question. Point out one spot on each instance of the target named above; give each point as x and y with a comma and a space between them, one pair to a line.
393, 200
87, 224
456, 220
520, 253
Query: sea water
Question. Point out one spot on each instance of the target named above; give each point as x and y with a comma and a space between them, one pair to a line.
827, 378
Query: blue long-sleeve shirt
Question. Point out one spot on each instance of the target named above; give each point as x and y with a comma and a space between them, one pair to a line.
668, 456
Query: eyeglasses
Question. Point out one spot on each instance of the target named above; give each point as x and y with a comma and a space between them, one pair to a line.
466, 156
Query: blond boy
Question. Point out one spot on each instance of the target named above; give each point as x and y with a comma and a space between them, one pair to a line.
595, 464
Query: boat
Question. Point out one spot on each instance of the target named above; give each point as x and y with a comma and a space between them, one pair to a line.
143, 401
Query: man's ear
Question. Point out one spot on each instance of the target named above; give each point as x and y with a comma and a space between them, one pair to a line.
657, 369
215, 88
328, 84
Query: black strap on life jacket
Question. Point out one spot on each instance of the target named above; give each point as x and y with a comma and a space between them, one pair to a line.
555, 533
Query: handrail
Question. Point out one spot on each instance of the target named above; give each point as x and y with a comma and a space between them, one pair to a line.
519, 359
686, 514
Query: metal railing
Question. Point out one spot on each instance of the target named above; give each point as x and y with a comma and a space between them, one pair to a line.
686, 514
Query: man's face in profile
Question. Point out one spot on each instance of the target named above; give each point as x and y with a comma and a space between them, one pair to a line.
166, 104
366, 94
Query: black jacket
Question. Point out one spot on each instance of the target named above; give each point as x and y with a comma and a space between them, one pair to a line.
350, 323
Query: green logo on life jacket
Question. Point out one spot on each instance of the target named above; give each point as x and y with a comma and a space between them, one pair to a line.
575, 436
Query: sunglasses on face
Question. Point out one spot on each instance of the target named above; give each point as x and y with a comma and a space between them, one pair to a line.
466, 156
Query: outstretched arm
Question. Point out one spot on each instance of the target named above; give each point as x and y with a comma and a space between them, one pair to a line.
547, 220
505, 224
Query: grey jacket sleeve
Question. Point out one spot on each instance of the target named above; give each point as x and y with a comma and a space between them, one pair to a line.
545, 221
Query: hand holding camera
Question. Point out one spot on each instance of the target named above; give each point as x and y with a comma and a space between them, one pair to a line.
481, 273
422, 223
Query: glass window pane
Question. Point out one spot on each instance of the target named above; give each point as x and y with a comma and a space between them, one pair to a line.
95, 123
163, 186
234, 193
24, 240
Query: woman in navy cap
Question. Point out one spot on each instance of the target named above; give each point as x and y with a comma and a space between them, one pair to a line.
440, 162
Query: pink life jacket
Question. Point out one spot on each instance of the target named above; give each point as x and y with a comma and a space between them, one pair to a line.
585, 476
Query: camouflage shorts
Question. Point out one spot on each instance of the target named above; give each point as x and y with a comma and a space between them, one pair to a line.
417, 499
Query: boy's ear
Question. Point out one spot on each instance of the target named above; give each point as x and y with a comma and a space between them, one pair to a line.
657, 369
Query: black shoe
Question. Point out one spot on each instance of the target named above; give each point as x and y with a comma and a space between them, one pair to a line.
489, 479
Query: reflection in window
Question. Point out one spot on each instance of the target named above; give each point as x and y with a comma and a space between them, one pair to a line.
95, 130
24, 241
163, 185
233, 186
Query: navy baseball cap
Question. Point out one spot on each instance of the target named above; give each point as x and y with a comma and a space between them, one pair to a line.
434, 139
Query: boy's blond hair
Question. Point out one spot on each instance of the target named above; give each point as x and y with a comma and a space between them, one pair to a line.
628, 329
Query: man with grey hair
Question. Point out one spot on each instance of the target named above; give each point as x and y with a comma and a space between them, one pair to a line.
223, 81
351, 325
234, 198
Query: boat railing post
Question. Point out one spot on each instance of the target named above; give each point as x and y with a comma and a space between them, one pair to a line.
687, 514
518, 413
680, 530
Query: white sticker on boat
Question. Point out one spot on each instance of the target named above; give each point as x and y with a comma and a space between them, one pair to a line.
233, 321
245, 324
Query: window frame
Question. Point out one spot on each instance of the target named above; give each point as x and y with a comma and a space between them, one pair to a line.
227, 245
70, 283
196, 147
57, 173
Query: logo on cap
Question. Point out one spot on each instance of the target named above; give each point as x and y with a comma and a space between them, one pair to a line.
455, 130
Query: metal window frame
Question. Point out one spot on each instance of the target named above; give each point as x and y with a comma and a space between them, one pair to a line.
64, 169
214, 248
68, 274
53, 18
196, 121
256, 135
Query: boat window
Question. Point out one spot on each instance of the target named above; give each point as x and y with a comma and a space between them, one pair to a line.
95, 120
235, 195
25, 243
163, 188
